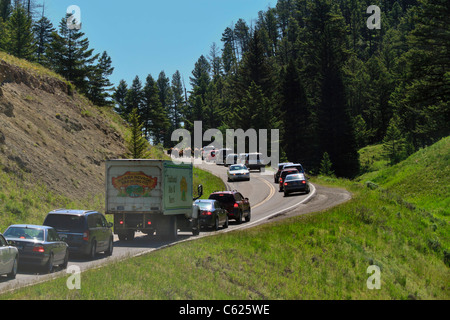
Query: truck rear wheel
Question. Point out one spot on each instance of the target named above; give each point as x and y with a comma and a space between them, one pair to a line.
196, 228
168, 228
173, 229
128, 236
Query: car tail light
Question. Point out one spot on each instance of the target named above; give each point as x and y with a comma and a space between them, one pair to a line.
236, 205
38, 249
121, 222
206, 213
86, 235
304, 182
149, 223
285, 183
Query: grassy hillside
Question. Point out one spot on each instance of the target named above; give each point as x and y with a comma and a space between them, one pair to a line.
423, 179
53, 142
324, 255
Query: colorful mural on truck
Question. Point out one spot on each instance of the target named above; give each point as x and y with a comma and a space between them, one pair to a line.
134, 184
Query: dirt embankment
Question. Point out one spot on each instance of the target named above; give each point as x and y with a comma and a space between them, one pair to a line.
51, 135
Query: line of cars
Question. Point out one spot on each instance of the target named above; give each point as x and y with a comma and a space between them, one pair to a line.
222, 206
43, 247
226, 157
291, 178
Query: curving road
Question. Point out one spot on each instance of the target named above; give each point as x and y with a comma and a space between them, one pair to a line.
266, 204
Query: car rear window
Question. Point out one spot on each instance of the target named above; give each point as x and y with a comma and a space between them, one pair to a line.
66, 222
285, 173
222, 197
25, 233
204, 205
298, 167
295, 177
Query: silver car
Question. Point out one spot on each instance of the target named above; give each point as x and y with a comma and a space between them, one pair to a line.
9, 256
238, 172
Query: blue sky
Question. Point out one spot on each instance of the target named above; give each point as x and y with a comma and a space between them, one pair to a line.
147, 37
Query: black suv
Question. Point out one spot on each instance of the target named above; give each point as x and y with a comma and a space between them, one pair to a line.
86, 232
237, 206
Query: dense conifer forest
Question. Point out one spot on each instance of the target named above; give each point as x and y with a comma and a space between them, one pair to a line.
314, 69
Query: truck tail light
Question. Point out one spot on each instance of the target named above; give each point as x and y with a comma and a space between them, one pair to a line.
86, 235
38, 249
236, 205
149, 223
121, 222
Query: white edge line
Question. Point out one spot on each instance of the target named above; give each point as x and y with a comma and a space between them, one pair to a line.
281, 211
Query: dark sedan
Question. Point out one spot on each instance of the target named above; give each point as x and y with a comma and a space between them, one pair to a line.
283, 174
39, 246
211, 214
295, 183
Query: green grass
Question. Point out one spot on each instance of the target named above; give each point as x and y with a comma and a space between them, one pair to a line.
318, 256
372, 158
23, 202
209, 181
423, 179
34, 68
324, 255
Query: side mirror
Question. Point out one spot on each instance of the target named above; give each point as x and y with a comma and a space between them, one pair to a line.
199, 191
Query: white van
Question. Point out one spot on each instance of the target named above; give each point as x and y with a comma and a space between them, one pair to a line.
253, 161
232, 158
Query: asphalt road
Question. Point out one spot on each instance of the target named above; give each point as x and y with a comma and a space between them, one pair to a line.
267, 204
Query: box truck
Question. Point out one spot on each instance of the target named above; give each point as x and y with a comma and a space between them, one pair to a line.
151, 196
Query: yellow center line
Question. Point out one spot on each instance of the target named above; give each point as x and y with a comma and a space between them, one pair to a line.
271, 193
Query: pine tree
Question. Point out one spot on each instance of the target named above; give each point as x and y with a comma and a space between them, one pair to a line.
5, 12
119, 96
215, 62
228, 59
326, 166
178, 101
133, 98
5, 9
43, 30
69, 55
263, 114
153, 114
326, 53
165, 96
394, 142
99, 83
424, 100
137, 144
21, 42
200, 75
256, 68
298, 140
3, 35
242, 36
229, 56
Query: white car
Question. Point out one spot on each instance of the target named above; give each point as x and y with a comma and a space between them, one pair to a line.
231, 159
238, 172
9, 256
